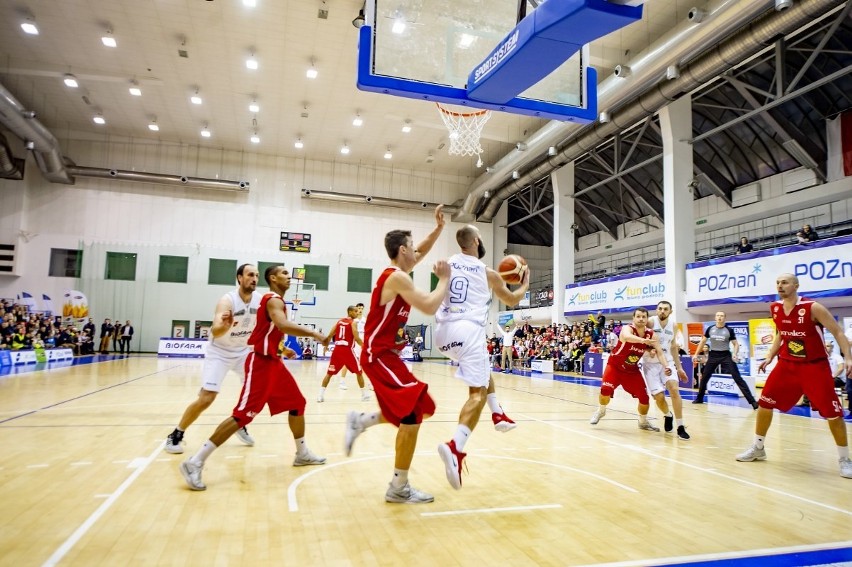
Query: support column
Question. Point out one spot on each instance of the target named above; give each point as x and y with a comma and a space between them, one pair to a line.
678, 201
563, 236
500, 238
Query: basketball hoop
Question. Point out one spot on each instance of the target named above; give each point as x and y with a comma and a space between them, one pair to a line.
465, 130
296, 303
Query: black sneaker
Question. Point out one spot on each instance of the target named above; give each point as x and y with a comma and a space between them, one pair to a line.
681, 432
669, 423
173, 442
755, 405
697, 401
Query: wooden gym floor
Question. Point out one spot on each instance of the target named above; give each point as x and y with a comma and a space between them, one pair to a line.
84, 479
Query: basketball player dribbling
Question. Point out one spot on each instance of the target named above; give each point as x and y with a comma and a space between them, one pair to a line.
345, 335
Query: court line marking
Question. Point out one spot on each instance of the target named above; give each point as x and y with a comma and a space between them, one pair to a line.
768, 553
695, 467
78, 534
293, 503
492, 510
47, 407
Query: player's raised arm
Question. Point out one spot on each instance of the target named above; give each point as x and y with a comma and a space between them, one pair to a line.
426, 302
426, 244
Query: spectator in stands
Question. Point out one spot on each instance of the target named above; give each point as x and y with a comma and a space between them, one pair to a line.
744, 247
699, 362
86, 343
576, 357
20, 340
308, 352
806, 235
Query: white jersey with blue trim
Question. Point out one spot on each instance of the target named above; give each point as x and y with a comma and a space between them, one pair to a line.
468, 296
235, 340
665, 334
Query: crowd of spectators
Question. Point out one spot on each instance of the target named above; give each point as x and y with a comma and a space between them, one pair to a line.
565, 344
21, 329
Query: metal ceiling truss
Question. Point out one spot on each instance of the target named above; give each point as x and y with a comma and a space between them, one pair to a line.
759, 119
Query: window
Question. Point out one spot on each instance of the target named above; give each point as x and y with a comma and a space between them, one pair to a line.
261, 269
222, 272
317, 275
173, 269
360, 280
120, 266
65, 263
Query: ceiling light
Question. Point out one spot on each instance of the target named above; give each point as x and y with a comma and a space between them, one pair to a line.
153, 126
299, 145
312, 72
29, 27
254, 107
251, 62
407, 126
205, 132
466, 40
345, 149
195, 99
398, 26
359, 19
70, 81
108, 40
99, 120
249, 3
255, 139
357, 121
388, 154
134, 89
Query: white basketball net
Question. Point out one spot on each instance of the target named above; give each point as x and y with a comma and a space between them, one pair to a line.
465, 130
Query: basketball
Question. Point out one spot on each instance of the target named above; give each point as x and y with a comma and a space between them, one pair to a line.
512, 268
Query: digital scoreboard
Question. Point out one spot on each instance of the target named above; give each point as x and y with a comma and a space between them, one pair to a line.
295, 242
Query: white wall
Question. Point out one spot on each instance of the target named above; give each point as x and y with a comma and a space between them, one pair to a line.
148, 219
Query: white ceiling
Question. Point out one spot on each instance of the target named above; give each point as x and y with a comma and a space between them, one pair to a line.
218, 36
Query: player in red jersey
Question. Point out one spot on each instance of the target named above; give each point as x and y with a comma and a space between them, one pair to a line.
344, 333
802, 368
622, 368
267, 382
403, 399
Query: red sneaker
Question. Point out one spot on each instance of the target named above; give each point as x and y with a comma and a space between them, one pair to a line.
502, 422
452, 463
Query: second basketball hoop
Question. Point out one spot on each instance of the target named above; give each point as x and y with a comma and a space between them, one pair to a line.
465, 131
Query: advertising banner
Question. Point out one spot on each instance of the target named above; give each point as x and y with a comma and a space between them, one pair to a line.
694, 333
182, 348
616, 294
741, 357
824, 269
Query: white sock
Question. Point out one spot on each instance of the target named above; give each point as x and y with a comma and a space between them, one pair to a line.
301, 447
602, 409
669, 414
843, 452
204, 452
680, 423
758, 441
400, 478
493, 404
643, 419
322, 391
369, 419
461, 436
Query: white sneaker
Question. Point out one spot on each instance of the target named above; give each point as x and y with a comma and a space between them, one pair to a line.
596, 417
845, 467
174, 443
407, 495
365, 397
646, 426
320, 398
308, 459
244, 436
343, 385
755, 454
192, 475
353, 430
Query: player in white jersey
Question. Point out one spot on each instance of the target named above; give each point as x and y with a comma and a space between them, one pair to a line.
653, 369
460, 335
233, 322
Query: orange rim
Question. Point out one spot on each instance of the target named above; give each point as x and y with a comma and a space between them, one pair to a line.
462, 114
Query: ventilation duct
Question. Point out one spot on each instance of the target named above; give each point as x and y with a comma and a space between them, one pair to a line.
721, 57
23, 124
10, 166
374, 201
161, 178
